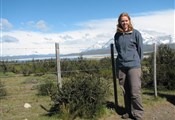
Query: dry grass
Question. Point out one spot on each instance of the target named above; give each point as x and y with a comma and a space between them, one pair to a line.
21, 90
19, 93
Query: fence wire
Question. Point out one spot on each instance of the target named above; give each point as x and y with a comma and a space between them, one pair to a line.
19, 93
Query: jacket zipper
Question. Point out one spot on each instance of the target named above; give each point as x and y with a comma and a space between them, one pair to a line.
124, 46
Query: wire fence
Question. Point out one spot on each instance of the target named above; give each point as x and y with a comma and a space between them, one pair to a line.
21, 90
20, 93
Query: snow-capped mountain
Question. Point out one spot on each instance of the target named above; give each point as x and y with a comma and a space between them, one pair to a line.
149, 37
99, 45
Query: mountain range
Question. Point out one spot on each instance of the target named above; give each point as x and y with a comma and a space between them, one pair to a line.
103, 47
149, 37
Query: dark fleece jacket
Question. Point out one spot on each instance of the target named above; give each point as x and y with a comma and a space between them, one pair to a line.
129, 46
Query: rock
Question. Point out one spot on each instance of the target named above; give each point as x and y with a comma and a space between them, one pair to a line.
27, 105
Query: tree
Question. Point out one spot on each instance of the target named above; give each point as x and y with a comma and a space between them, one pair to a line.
165, 67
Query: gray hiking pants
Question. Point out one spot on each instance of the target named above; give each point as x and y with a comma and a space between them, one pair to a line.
130, 80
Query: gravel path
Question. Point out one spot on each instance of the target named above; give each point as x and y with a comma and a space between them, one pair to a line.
165, 111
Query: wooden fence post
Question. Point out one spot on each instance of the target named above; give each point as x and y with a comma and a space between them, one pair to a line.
155, 80
58, 64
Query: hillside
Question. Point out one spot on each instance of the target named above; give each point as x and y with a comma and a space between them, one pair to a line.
146, 48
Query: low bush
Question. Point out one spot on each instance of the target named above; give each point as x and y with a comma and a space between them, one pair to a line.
3, 91
47, 84
165, 70
81, 96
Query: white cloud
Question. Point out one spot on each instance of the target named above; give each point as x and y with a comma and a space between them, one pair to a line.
161, 21
91, 32
9, 39
5, 24
40, 25
106, 24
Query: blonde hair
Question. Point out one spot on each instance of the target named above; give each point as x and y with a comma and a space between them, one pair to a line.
119, 27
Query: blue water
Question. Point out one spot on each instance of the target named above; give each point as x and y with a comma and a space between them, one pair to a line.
97, 56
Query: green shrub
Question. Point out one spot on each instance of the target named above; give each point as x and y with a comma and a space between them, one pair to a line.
9, 74
81, 96
147, 78
47, 85
165, 70
3, 92
165, 67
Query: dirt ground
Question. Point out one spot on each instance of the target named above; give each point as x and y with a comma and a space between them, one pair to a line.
164, 111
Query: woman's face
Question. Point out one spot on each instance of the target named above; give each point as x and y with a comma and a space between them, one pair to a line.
124, 21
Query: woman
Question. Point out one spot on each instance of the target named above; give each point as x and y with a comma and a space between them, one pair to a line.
129, 44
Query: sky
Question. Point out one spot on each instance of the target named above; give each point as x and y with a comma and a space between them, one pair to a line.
34, 26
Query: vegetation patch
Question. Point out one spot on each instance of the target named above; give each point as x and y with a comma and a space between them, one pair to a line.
81, 96
3, 91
